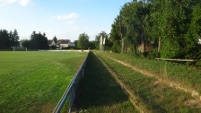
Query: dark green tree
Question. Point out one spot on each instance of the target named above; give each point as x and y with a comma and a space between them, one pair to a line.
92, 45
83, 41
76, 43
115, 36
131, 28
4, 39
173, 26
15, 38
55, 39
8, 39
25, 43
38, 41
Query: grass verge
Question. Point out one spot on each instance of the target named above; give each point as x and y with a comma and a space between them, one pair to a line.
183, 74
99, 92
158, 97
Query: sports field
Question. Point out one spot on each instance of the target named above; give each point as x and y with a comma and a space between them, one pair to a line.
35, 81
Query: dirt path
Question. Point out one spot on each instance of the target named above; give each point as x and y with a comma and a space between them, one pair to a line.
195, 94
135, 100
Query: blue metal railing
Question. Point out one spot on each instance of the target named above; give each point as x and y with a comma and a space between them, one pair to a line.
71, 90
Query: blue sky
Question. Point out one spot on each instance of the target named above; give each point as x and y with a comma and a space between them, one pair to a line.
65, 19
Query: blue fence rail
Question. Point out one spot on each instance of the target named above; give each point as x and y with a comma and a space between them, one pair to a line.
71, 90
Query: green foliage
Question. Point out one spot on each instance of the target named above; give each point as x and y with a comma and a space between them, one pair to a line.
115, 37
25, 43
174, 26
55, 39
92, 45
8, 39
83, 41
177, 40
38, 41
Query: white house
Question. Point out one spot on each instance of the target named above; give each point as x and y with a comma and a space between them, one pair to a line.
52, 43
60, 43
64, 43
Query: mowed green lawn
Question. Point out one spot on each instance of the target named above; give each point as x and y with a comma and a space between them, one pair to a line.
33, 82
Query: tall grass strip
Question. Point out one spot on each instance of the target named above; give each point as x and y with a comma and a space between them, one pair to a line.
164, 80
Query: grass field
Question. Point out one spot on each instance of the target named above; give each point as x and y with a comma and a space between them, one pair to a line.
35, 81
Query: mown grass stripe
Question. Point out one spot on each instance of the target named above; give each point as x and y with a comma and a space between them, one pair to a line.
35, 81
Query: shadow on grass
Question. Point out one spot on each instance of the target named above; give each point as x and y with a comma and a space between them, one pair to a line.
97, 87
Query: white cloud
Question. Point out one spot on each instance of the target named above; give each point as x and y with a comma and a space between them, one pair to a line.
67, 16
21, 2
10, 1
24, 2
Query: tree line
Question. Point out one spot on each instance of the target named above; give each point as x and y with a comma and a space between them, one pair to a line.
37, 41
171, 27
8, 39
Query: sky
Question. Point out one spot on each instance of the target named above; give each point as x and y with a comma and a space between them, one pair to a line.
65, 19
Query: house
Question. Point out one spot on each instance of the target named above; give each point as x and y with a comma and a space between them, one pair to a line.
52, 43
63, 43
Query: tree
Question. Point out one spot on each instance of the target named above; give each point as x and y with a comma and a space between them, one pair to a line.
83, 41
76, 43
15, 38
194, 33
55, 39
4, 39
25, 43
172, 27
115, 37
130, 28
8, 39
91, 45
38, 41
